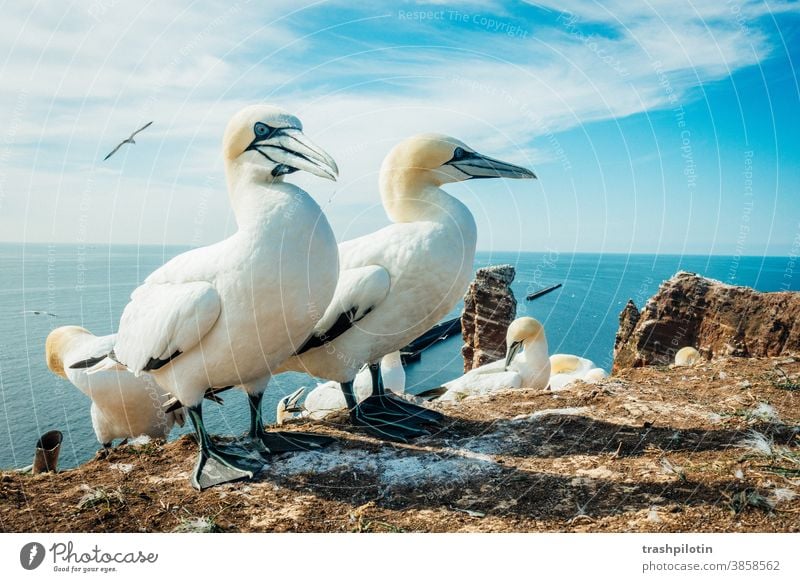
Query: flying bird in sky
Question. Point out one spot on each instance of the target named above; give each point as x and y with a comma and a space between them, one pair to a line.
129, 140
39, 312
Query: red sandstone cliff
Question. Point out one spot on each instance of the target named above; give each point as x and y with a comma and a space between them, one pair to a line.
715, 318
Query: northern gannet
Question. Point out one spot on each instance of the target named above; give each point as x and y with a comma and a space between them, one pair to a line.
526, 364
129, 139
328, 397
399, 281
230, 313
687, 356
123, 406
567, 368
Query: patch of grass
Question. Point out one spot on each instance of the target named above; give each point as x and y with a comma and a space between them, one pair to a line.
747, 498
671, 469
784, 382
99, 496
762, 412
375, 526
205, 524
148, 449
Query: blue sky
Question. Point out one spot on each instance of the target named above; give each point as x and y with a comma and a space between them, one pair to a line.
654, 127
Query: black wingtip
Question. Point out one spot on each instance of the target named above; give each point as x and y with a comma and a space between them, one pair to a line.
83, 364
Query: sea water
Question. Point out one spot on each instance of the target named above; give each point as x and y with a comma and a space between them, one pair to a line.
90, 285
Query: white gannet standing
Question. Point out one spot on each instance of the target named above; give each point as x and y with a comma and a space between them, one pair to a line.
230, 313
687, 356
327, 397
399, 281
526, 364
567, 368
123, 405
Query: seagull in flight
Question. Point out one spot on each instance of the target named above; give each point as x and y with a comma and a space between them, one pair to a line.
129, 140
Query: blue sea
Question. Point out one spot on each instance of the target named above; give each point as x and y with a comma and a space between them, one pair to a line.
90, 285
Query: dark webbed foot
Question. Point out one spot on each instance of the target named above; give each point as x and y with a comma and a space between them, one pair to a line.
219, 464
284, 441
414, 412
273, 442
215, 467
386, 424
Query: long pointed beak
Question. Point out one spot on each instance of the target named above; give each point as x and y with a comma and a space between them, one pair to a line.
292, 148
513, 350
292, 401
477, 165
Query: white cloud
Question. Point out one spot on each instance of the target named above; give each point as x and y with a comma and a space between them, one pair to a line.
75, 82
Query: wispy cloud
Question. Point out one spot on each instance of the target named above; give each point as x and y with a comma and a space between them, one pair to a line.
74, 81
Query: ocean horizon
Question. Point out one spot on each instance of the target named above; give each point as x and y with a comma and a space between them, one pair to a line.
89, 285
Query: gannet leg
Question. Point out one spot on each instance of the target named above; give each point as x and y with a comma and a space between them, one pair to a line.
105, 451
215, 466
380, 399
382, 423
273, 442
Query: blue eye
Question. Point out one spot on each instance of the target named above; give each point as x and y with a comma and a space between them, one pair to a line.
261, 129
459, 153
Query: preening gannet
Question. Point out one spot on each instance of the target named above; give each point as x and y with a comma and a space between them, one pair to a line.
129, 139
526, 364
567, 368
230, 313
687, 356
327, 397
399, 281
123, 405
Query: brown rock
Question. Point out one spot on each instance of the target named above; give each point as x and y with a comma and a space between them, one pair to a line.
715, 318
489, 308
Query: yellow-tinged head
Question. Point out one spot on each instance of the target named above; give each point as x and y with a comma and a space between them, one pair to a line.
430, 160
270, 137
442, 159
56, 345
522, 331
687, 356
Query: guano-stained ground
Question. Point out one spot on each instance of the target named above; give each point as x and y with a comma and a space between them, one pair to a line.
710, 448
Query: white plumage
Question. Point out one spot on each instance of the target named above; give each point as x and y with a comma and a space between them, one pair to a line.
230, 313
687, 356
123, 406
327, 397
568, 368
410, 273
528, 368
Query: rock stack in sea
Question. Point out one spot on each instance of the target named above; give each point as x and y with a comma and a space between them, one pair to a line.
489, 308
715, 318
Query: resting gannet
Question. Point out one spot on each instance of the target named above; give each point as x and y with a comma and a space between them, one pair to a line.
129, 139
230, 313
399, 281
567, 368
526, 364
687, 356
327, 397
123, 406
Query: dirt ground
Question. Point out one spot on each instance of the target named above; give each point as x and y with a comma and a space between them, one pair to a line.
710, 448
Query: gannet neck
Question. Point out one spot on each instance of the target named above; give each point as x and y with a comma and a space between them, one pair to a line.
254, 193
410, 196
534, 351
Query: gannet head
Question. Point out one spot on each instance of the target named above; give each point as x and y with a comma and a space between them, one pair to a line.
272, 138
441, 159
687, 356
56, 345
521, 332
288, 406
